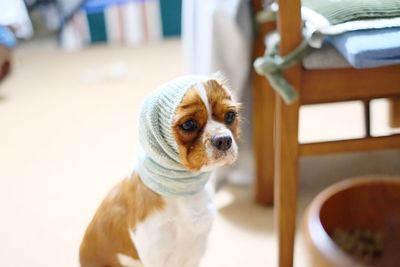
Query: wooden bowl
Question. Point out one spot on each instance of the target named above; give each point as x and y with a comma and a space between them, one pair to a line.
370, 204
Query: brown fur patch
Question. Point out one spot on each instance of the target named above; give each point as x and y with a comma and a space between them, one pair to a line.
221, 102
191, 149
128, 203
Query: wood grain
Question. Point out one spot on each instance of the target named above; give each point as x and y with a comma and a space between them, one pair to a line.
352, 145
323, 86
371, 202
263, 126
394, 111
286, 145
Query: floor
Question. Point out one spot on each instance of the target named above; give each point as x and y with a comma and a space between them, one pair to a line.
68, 133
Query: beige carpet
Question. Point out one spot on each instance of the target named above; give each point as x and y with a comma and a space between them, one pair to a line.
68, 133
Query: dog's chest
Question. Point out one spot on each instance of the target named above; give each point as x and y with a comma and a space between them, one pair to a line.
177, 235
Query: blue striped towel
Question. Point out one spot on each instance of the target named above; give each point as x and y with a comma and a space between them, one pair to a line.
369, 48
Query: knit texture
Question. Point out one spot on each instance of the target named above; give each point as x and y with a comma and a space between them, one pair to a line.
159, 163
337, 12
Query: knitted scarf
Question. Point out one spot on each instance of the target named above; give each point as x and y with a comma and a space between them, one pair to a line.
159, 165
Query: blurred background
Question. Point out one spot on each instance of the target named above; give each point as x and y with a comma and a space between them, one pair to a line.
73, 74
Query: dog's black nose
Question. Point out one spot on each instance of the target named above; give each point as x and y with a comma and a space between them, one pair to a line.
222, 142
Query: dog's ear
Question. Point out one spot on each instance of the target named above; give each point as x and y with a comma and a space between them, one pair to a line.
221, 78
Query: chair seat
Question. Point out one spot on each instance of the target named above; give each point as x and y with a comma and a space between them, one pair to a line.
357, 49
326, 57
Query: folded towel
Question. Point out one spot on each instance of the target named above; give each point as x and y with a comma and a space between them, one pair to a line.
369, 48
339, 11
337, 16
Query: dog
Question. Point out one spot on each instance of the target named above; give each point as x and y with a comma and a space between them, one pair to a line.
161, 215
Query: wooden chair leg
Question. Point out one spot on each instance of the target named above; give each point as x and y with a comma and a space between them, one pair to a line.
263, 127
286, 175
394, 112
367, 117
286, 179
263, 135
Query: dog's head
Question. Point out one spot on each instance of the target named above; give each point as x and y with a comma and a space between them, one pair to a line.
206, 126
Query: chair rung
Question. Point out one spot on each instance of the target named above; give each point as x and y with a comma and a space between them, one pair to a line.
322, 86
352, 145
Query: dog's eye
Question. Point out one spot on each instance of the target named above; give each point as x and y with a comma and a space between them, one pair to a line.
189, 125
230, 117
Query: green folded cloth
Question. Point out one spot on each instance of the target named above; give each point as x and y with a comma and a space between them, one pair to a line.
339, 11
331, 17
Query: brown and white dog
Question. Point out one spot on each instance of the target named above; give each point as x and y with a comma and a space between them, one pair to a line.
137, 226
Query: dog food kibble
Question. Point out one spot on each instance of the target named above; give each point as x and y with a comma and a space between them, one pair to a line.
365, 245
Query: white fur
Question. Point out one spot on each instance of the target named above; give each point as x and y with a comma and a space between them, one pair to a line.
177, 235
128, 261
217, 158
201, 90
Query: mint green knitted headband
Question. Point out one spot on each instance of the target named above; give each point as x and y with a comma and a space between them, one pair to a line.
159, 163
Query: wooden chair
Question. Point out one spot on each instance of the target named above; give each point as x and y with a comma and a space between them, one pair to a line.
277, 149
